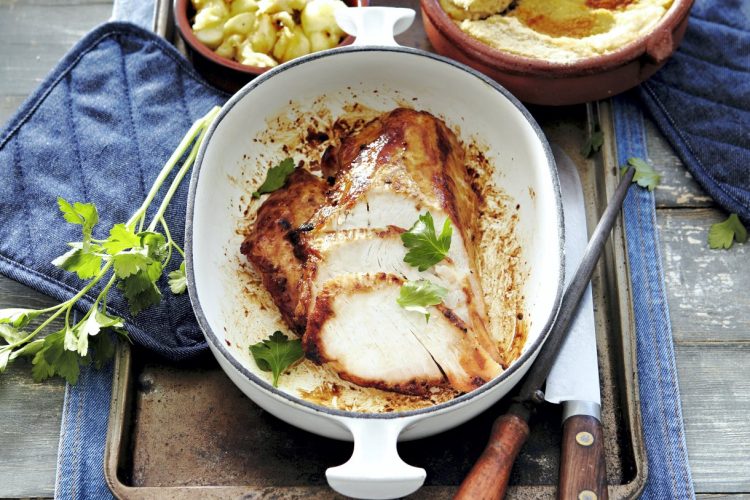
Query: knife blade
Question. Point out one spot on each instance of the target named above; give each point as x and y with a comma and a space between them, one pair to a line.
488, 479
574, 377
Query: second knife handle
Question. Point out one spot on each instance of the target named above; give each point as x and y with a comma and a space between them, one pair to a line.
583, 471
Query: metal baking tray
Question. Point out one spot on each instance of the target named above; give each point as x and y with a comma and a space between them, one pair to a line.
187, 432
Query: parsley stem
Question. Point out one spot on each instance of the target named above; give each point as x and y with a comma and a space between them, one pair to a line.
170, 240
205, 121
68, 305
197, 127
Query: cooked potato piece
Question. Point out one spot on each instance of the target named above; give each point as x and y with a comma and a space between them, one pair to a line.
242, 24
291, 43
249, 57
228, 47
210, 37
274, 6
213, 14
264, 33
240, 6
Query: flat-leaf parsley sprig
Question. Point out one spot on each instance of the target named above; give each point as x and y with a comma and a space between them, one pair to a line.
132, 258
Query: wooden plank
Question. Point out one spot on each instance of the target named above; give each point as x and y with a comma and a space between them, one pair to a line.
33, 39
677, 187
30, 414
706, 288
715, 390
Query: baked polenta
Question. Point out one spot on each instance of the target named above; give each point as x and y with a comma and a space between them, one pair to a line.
557, 30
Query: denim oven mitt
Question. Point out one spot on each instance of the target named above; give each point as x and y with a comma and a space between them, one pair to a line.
98, 130
701, 101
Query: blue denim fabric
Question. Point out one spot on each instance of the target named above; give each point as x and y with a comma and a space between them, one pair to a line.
80, 456
661, 410
98, 130
701, 101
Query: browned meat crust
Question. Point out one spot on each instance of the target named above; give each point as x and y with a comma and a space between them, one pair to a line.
269, 245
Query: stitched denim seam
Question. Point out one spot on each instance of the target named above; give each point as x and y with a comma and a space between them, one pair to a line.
76, 143
685, 51
703, 98
132, 132
61, 446
51, 87
717, 23
77, 445
115, 29
687, 145
635, 133
22, 182
656, 339
183, 100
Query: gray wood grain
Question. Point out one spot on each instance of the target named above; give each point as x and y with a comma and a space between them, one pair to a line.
34, 35
706, 288
715, 389
33, 39
30, 414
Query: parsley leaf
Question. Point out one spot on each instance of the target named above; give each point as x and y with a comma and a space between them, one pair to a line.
18, 318
54, 359
82, 214
85, 263
723, 234
418, 295
276, 354
10, 333
4, 358
593, 142
645, 175
275, 177
425, 247
140, 288
121, 238
178, 280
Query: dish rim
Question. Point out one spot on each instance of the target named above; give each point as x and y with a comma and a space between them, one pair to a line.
300, 403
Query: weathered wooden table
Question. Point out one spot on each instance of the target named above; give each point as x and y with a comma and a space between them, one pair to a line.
708, 301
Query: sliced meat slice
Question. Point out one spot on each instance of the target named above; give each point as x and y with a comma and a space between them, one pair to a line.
399, 166
371, 251
358, 328
269, 247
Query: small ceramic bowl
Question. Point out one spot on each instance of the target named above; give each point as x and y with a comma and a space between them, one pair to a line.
540, 81
223, 73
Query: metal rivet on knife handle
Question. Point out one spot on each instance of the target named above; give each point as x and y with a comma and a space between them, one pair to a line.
584, 438
587, 495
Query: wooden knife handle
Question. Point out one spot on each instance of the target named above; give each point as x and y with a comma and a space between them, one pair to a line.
583, 471
488, 479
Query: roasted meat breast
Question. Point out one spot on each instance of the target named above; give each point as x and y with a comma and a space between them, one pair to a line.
270, 245
341, 283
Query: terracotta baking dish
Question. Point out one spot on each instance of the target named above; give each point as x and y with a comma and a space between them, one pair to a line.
221, 72
545, 82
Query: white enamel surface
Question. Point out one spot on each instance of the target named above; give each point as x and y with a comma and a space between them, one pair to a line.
374, 25
382, 80
375, 469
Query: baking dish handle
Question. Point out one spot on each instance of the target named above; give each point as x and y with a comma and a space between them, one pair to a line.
374, 25
375, 469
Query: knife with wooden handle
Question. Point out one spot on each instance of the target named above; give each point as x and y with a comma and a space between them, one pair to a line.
488, 479
574, 377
